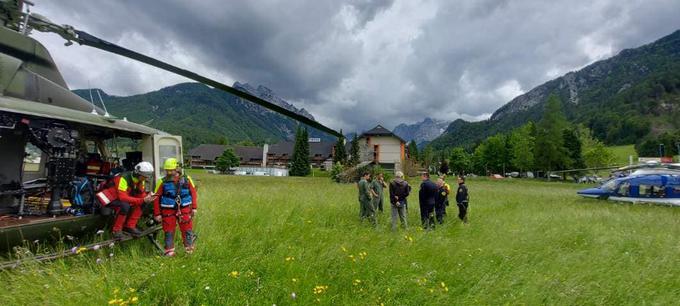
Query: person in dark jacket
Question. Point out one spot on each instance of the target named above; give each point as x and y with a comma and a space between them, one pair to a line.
463, 199
427, 195
399, 191
440, 201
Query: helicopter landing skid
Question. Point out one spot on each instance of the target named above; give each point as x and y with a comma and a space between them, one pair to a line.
150, 233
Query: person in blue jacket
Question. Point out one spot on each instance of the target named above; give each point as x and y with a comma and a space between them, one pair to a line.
427, 195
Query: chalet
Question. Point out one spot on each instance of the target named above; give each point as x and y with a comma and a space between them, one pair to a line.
380, 146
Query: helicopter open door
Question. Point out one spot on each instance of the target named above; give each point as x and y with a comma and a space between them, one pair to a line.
164, 147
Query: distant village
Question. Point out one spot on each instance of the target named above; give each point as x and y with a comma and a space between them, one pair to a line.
377, 145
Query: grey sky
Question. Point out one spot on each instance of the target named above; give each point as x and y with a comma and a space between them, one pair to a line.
357, 63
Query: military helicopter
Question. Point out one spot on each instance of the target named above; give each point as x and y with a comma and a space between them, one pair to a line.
53, 141
645, 183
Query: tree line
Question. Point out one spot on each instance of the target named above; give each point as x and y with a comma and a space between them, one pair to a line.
549, 145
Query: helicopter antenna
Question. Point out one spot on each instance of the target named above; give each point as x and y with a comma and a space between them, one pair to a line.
106, 112
94, 110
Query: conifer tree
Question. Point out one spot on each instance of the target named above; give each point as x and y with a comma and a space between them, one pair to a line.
340, 155
300, 164
549, 151
354, 151
413, 151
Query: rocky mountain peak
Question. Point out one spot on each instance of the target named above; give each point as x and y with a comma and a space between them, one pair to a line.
269, 95
423, 131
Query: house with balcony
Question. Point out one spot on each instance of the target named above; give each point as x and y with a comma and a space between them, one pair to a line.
380, 146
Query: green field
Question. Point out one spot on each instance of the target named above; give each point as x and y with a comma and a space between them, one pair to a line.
263, 239
621, 154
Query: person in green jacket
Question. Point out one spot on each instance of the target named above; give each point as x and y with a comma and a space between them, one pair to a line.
365, 197
377, 185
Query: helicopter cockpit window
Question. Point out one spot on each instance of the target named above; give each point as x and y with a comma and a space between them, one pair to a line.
623, 189
32, 158
609, 186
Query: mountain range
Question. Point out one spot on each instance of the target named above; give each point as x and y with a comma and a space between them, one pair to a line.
421, 132
623, 99
201, 114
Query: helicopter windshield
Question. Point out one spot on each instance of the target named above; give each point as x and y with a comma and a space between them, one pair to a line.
609, 185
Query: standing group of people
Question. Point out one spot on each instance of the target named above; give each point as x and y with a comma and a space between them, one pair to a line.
433, 199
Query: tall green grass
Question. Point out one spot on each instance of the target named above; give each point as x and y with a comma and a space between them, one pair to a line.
621, 154
263, 239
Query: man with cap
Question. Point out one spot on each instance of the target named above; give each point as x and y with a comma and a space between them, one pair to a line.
177, 203
131, 195
462, 199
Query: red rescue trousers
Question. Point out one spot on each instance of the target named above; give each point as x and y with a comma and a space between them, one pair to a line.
170, 220
126, 213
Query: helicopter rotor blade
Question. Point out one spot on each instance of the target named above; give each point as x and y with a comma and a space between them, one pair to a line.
71, 34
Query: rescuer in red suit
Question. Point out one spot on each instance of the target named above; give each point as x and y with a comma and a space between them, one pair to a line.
176, 203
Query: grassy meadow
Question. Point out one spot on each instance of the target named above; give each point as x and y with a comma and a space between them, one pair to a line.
298, 241
621, 154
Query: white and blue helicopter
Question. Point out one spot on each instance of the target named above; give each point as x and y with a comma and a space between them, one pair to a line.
646, 183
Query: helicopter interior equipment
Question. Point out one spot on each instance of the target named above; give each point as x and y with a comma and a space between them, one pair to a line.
52, 140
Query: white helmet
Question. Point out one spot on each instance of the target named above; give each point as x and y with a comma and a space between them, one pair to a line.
144, 169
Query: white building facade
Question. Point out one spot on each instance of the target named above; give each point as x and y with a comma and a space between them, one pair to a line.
380, 146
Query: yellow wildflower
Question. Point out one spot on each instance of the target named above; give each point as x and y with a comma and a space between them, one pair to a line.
294, 280
443, 285
320, 289
234, 274
134, 300
290, 258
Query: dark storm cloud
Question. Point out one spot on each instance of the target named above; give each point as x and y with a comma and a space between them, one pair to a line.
357, 63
